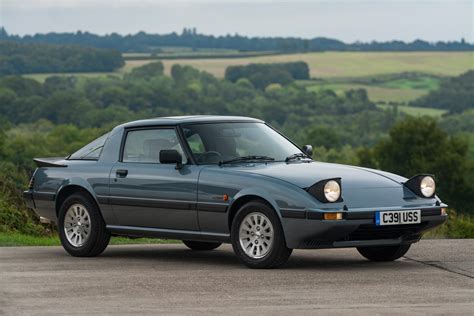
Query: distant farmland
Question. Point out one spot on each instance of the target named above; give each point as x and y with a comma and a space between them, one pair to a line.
338, 71
343, 64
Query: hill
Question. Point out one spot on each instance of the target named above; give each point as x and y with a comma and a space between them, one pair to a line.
144, 42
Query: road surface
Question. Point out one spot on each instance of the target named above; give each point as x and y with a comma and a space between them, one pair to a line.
435, 277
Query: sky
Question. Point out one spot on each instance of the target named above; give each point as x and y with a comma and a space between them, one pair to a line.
347, 20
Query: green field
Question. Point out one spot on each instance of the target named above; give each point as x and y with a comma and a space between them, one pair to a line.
346, 64
42, 77
376, 93
415, 111
329, 65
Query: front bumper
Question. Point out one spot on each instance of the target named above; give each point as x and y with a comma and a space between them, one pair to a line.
356, 229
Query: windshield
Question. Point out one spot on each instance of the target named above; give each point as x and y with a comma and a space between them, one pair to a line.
90, 151
214, 143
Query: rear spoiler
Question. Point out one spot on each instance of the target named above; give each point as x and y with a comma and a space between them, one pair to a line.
58, 162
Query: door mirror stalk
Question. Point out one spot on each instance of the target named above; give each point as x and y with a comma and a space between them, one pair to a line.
308, 150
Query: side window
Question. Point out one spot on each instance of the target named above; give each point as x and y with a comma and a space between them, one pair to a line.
91, 151
144, 146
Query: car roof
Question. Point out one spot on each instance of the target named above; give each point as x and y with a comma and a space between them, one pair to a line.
174, 120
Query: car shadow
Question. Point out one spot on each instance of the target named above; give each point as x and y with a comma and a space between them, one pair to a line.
333, 260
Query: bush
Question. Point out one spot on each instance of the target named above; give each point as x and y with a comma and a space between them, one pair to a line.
457, 226
14, 215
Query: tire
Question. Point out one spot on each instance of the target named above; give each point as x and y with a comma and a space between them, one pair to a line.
97, 238
261, 245
201, 245
383, 253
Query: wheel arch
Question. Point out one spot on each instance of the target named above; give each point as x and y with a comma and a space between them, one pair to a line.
244, 198
68, 190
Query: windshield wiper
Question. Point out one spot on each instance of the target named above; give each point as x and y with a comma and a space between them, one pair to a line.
246, 158
296, 156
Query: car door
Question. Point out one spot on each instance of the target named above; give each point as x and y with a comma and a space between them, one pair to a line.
145, 193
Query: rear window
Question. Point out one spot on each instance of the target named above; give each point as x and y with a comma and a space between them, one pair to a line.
90, 151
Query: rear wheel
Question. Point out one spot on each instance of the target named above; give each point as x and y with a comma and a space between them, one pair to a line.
81, 227
201, 245
384, 253
257, 237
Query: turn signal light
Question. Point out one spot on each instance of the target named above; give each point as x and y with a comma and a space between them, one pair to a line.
332, 216
444, 211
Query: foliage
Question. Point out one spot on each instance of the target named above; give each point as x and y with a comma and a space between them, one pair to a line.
457, 226
14, 215
419, 145
455, 94
95, 102
22, 58
147, 71
261, 75
143, 42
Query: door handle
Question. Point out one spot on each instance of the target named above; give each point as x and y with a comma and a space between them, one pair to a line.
121, 173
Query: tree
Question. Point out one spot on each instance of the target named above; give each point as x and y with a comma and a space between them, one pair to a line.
419, 145
148, 70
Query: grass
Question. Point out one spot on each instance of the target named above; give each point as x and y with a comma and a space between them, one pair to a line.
398, 88
375, 93
419, 83
327, 65
345, 64
42, 77
415, 111
17, 239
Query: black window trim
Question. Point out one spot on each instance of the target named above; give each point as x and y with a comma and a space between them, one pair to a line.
149, 127
90, 159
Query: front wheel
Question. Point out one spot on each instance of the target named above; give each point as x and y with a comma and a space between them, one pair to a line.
81, 227
257, 237
201, 245
384, 253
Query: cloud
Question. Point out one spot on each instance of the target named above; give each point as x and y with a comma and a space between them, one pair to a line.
45, 4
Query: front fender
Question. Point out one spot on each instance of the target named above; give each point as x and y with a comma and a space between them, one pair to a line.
255, 192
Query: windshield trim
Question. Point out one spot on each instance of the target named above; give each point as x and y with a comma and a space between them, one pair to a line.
190, 154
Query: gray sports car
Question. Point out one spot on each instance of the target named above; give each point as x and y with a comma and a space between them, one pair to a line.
208, 180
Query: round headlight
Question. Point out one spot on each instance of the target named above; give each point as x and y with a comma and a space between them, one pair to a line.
332, 191
427, 186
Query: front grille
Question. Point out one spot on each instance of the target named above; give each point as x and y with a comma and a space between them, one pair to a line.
373, 232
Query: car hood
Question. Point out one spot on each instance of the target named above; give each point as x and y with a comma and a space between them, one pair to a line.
305, 174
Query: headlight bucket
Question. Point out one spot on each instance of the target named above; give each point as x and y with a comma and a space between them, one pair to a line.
423, 185
327, 191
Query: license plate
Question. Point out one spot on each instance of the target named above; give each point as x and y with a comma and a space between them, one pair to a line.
397, 217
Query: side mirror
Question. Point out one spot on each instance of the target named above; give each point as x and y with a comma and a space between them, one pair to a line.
168, 156
308, 150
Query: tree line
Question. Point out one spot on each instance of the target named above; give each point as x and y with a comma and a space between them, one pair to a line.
261, 75
22, 58
144, 42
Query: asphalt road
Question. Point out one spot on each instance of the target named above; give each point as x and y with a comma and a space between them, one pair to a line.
435, 277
